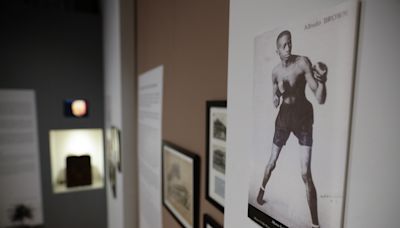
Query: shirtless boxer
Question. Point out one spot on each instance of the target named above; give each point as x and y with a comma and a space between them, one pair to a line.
289, 79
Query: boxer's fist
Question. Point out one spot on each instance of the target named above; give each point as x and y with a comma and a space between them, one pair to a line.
320, 72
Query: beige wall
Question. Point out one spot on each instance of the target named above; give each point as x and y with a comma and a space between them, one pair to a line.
190, 38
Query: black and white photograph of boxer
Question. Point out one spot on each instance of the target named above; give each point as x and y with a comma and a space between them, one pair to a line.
289, 80
302, 92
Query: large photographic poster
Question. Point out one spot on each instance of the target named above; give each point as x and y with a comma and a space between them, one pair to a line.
302, 93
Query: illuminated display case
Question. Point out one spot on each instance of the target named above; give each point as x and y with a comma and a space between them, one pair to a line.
77, 159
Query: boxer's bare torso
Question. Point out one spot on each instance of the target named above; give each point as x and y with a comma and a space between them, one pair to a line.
289, 79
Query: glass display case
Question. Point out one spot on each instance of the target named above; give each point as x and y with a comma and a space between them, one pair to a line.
77, 159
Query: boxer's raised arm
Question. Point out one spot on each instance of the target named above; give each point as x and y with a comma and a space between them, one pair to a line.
318, 87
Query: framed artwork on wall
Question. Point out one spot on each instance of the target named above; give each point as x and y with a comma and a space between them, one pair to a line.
216, 118
113, 145
180, 184
116, 146
77, 108
209, 222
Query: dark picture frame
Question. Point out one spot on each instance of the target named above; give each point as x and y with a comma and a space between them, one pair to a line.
208, 222
180, 184
216, 119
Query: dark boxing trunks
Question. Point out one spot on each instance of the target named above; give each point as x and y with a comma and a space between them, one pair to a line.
297, 118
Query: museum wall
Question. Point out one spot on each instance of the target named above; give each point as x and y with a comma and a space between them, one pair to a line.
120, 99
58, 55
112, 96
373, 186
190, 39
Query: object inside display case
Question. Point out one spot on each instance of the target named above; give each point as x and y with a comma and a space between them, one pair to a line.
79, 172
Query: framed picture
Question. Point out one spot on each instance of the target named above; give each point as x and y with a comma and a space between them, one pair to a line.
116, 146
113, 145
216, 152
180, 184
77, 108
209, 222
